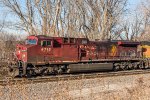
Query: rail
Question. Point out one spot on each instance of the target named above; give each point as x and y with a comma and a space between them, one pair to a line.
10, 81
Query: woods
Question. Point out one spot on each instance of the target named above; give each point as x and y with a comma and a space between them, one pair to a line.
82, 18
95, 19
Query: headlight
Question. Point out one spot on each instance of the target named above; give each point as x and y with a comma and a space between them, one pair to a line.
23, 56
19, 51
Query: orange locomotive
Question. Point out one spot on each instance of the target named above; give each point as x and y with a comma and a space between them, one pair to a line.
56, 55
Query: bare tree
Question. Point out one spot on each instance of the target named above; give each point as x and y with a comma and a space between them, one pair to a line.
142, 22
146, 23
106, 15
85, 18
131, 30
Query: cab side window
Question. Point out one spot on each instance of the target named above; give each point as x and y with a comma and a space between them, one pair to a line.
84, 41
46, 43
72, 40
66, 40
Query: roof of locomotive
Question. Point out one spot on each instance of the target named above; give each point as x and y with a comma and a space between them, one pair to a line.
145, 42
118, 42
43, 37
49, 37
58, 39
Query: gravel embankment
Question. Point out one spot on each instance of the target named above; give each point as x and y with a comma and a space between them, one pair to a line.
133, 87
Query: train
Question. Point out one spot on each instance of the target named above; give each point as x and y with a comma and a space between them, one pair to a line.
45, 55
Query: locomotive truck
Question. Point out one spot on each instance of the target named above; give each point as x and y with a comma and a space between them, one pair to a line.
43, 55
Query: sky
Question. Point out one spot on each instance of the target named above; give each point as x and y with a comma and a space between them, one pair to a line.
133, 4
133, 8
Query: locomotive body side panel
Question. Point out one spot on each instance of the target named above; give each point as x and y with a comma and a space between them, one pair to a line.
145, 49
107, 50
127, 49
70, 52
116, 49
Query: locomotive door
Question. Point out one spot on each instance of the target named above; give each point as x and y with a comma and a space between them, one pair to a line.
82, 52
69, 50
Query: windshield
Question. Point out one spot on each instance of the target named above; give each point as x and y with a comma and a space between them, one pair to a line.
30, 41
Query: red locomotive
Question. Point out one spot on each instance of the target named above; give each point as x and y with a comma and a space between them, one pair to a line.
55, 55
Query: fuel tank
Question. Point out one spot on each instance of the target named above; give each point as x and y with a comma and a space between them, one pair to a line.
95, 67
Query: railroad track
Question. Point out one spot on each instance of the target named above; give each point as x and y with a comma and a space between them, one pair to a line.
10, 81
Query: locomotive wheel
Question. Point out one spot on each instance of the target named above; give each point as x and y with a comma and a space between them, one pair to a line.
29, 73
146, 64
130, 66
116, 67
141, 65
123, 66
61, 69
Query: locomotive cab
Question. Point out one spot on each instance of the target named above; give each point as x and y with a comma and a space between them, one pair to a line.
22, 49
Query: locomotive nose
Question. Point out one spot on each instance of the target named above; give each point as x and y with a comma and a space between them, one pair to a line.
21, 52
